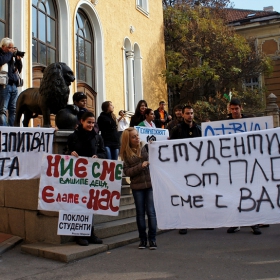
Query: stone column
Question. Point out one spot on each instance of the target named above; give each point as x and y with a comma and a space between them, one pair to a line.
130, 79
272, 109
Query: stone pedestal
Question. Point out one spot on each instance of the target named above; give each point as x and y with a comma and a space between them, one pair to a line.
272, 109
18, 206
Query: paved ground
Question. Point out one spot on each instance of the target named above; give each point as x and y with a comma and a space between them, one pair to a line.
201, 254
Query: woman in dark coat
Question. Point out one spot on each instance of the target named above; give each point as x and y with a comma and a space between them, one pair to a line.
85, 142
107, 123
139, 113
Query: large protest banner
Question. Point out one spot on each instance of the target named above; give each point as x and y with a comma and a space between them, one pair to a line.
21, 151
236, 125
148, 134
218, 181
80, 185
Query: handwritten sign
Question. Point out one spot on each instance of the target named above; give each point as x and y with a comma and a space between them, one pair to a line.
236, 126
147, 134
21, 149
76, 224
218, 181
80, 185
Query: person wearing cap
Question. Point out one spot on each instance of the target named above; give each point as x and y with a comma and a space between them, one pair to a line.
162, 118
80, 100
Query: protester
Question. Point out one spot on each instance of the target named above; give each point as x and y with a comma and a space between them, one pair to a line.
85, 142
107, 123
149, 117
162, 118
177, 113
136, 166
235, 108
139, 113
122, 123
8, 93
186, 129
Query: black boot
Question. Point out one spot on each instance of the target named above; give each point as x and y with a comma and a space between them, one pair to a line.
81, 241
93, 239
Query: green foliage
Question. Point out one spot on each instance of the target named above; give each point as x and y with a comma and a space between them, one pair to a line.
203, 55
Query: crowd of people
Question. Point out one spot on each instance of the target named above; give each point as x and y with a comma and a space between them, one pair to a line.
111, 137
119, 138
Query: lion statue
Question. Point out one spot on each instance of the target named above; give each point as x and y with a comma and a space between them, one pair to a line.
49, 98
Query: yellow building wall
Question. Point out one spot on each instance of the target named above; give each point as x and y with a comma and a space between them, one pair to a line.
116, 17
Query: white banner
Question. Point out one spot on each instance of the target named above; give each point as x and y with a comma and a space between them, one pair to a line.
80, 185
218, 181
236, 126
21, 151
74, 224
147, 134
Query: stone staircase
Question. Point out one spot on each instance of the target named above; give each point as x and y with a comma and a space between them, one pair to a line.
108, 226
115, 231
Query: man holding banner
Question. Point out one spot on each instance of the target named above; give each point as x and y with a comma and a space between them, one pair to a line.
186, 129
235, 109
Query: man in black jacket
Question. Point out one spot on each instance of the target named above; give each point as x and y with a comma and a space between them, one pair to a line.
235, 108
162, 118
186, 129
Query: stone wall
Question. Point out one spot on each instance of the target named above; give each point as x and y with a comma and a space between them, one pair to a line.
18, 207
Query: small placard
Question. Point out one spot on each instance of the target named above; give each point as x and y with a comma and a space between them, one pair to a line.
75, 224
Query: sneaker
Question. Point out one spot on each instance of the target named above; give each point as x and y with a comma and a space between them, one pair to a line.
256, 230
153, 245
81, 241
142, 244
233, 229
183, 231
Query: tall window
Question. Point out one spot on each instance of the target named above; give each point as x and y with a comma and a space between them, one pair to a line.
84, 49
143, 6
4, 9
44, 32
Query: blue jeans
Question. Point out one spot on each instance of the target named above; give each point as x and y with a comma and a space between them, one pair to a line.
144, 202
8, 100
112, 153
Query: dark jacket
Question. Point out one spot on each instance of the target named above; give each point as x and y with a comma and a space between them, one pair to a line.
139, 177
157, 120
135, 120
86, 143
183, 130
109, 130
13, 65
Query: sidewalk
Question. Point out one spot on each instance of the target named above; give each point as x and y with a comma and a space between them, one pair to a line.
8, 241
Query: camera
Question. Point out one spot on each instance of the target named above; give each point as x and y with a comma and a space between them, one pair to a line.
18, 53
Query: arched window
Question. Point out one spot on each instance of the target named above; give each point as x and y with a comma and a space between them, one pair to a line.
84, 49
44, 32
85, 71
4, 12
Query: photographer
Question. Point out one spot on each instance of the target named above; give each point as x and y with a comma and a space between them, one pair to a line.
8, 93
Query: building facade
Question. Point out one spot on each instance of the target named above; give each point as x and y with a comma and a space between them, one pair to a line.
115, 48
264, 26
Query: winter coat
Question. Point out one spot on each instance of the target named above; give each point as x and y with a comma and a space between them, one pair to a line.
157, 120
109, 130
136, 119
13, 66
86, 143
139, 177
183, 130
